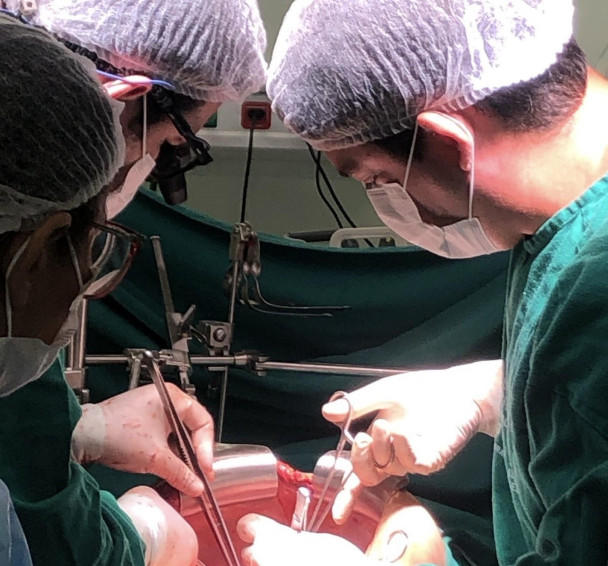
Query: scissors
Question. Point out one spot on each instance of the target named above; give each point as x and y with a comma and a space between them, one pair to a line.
320, 515
207, 499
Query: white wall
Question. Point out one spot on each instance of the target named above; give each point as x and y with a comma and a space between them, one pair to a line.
282, 196
592, 31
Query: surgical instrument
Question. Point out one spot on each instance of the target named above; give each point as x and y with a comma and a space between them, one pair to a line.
242, 279
177, 324
320, 514
207, 499
299, 520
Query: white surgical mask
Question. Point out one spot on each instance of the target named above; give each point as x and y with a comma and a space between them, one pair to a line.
23, 360
395, 207
118, 200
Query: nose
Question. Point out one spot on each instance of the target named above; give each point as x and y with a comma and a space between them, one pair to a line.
176, 139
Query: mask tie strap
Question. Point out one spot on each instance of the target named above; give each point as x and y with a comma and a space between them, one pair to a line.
7, 294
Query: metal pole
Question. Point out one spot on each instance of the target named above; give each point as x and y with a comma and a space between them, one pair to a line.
173, 318
76, 367
165, 288
242, 361
224, 387
106, 359
328, 369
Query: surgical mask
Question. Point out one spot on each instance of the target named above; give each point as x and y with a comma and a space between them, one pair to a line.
118, 200
395, 207
23, 360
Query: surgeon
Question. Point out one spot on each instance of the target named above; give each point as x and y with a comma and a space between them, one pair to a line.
59, 160
65, 516
172, 62
474, 126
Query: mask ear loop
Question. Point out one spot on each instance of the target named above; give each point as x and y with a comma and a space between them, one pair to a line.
410, 159
7, 294
76, 264
144, 141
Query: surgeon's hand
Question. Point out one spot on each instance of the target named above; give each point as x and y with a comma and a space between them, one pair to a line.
424, 419
169, 540
130, 432
273, 544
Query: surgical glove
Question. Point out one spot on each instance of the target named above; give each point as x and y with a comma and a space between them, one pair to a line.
130, 432
424, 419
169, 539
273, 544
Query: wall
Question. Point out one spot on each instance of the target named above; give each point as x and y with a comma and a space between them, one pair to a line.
592, 31
282, 194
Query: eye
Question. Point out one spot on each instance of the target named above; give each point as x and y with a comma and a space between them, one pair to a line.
372, 183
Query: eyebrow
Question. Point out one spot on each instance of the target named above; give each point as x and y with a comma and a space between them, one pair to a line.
348, 168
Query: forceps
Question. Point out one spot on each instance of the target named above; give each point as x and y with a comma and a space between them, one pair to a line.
319, 515
207, 500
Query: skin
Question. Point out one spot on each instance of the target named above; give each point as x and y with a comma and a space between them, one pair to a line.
520, 178
43, 283
158, 133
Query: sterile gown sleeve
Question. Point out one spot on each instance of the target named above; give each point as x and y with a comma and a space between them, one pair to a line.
66, 518
551, 459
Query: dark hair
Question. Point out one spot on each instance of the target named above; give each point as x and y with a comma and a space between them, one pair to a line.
544, 102
400, 144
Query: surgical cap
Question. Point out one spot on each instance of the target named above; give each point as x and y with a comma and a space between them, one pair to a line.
210, 50
60, 136
347, 72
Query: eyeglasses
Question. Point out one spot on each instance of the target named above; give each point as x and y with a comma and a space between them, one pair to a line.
112, 252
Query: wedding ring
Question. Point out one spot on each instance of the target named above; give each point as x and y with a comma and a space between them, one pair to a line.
390, 459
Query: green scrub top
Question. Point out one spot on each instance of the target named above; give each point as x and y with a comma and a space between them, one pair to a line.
550, 480
66, 518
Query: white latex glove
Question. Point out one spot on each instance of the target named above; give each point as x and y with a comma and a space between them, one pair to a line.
130, 432
273, 544
169, 539
424, 419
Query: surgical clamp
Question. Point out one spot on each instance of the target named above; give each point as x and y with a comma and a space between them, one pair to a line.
207, 500
319, 515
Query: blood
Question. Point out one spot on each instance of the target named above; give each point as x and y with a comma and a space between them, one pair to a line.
359, 529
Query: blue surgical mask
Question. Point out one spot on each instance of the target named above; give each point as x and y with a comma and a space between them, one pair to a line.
395, 207
23, 360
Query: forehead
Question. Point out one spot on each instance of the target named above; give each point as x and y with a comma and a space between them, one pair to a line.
200, 114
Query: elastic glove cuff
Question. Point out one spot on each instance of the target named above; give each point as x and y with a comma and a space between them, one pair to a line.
487, 388
149, 521
89, 436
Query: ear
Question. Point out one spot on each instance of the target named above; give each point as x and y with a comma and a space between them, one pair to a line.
132, 88
453, 128
37, 256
